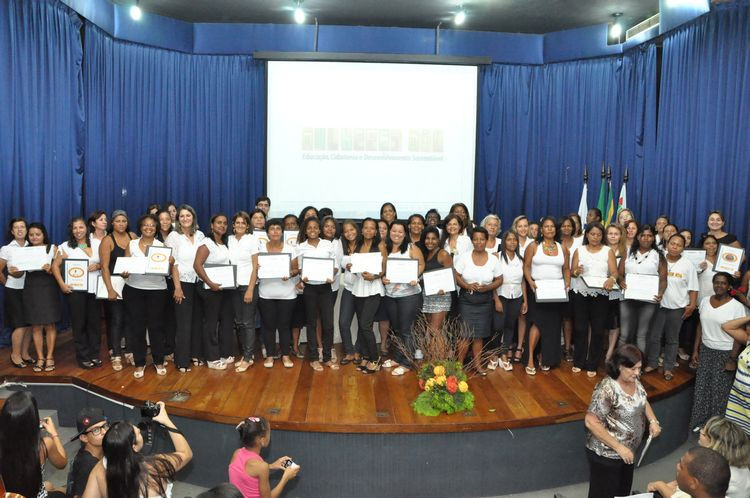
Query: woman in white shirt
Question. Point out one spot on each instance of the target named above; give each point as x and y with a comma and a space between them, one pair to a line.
218, 347
318, 296
330, 232
491, 223
277, 297
512, 297
592, 260
349, 237
570, 241
84, 309
712, 381
145, 298
98, 224
13, 315
184, 241
453, 239
615, 240
243, 253
677, 304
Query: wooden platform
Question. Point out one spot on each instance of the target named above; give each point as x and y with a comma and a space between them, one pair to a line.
343, 401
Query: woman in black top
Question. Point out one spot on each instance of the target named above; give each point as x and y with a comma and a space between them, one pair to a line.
435, 307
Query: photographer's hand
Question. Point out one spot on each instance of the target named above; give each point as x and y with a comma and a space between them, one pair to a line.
162, 417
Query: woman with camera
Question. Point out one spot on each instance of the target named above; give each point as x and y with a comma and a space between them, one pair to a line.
248, 471
126, 472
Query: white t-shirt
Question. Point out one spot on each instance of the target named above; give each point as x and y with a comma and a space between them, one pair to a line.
471, 273
276, 288
681, 279
78, 253
463, 244
183, 252
145, 282
338, 251
705, 281
643, 263
241, 255
493, 250
324, 249
6, 253
712, 319
512, 273
218, 254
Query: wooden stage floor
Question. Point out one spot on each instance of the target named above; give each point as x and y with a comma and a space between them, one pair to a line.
343, 401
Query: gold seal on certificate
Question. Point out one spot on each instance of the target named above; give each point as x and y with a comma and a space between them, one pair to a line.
76, 273
728, 259
157, 260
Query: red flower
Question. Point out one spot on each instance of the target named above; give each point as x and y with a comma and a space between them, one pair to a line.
451, 384
421, 384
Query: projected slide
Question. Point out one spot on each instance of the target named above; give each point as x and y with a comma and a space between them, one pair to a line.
350, 136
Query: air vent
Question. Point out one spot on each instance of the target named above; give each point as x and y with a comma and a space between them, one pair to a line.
642, 26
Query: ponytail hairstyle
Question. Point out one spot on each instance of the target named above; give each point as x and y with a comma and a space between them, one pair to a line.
251, 429
20, 444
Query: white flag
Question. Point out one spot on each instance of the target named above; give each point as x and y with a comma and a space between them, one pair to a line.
583, 206
622, 201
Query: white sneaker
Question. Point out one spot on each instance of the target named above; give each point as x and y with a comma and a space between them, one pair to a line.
418, 354
216, 365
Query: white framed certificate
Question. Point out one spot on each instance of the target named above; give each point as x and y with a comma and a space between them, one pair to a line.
370, 262
290, 237
317, 269
728, 259
29, 258
551, 291
695, 256
225, 276
118, 284
593, 282
262, 237
274, 265
641, 287
134, 265
157, 260
76, 273
438, 280
401, 271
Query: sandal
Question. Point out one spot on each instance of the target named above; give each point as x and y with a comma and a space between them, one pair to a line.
668, 376
50, 365
545, 368
517, 355
138, 373
576, 370
506, 365
129, 359
160, 369
368, 370
357, 361
197, 362
39, 367
493, 364
345, 360
398, 371
530, 371
184, 369
243, 365
332, 365
268, 362
389, 364
591, 373
116, 363
315, 365
287, 362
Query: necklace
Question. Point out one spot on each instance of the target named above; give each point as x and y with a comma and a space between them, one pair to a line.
549, 250
82, 245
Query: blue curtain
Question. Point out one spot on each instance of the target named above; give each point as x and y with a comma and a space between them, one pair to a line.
703, 151
540, 126
163, 125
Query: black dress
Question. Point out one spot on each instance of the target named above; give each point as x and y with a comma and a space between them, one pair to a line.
41, 297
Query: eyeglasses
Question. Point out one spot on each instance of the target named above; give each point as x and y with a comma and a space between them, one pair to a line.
98, 430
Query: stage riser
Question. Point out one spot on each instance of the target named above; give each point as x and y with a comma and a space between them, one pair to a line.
376, 465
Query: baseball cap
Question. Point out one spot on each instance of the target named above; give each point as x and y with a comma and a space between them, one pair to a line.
88, 417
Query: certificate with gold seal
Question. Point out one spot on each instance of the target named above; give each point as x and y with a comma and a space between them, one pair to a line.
76, 273
728, 259
157, 260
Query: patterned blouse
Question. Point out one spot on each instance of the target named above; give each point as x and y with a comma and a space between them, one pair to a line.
622, 415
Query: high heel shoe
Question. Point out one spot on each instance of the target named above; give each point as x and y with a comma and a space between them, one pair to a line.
369, 370
17, 365
517, 355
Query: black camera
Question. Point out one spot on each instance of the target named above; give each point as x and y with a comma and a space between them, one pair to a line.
150, 409
288, 463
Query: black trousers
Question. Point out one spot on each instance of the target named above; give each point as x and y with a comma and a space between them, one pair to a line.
402, 312
276, 314
244, 320
116, 326
146, 311
504, 324
608, 477
346, 315
188, 327
170, 320
84, 320
319, 300
365, 308
218, 323
588, 311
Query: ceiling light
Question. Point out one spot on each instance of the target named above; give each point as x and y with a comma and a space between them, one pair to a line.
460, 17
135, 12
299, 15
615, 31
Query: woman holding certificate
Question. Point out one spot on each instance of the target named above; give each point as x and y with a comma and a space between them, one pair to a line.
216, 296
84, 310
676, 305
595, 272
436, 306
478, 274
568, 228
317, 294
145, 298
41, 301
616, 242
243, 253
349, 238
277, 295
13, 303
643, 258
184, 241
403, 298
547, 271
454, 240
513, 299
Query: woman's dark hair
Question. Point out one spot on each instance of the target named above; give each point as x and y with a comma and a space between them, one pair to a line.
562, 220
636, 243
416, 215
251, 429
143, 220
210, 234
245, 216
13, 221
344, 242
92, 219
254, 212
189, 209
337, 231
224, 490
468, 224
627, 224
71, 238
663, 242
169, 203
296, 219
158, 224
709, 236
660, 217
722, 274
716, 211
595, 225
481, 230
304, 210
678, 234
128, 472
153, 206
423, 237
627, 355
275, 222
39, 226
433, 210
504, 244
385, 204
577, 224
361, 238
447, 219
692, 235
302, 235
324, 212
540, 236
404, 244
20, 444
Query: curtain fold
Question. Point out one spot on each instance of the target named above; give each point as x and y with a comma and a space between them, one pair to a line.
164, 125
703, 150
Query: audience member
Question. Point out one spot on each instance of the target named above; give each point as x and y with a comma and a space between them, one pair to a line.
92, 425
703, 473
225, 490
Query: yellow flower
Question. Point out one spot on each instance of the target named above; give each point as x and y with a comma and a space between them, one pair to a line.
463, 386
439, 370
440, 379
429, 384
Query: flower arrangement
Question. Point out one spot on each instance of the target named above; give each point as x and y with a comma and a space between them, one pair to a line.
445, 389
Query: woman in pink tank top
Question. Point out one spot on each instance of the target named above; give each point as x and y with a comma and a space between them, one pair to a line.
248, 471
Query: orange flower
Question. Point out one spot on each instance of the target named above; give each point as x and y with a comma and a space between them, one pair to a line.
451, 384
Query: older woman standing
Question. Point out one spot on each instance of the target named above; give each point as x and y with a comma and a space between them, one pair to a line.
615, 423
491, 223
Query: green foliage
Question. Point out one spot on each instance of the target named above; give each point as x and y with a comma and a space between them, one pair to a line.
438, 400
